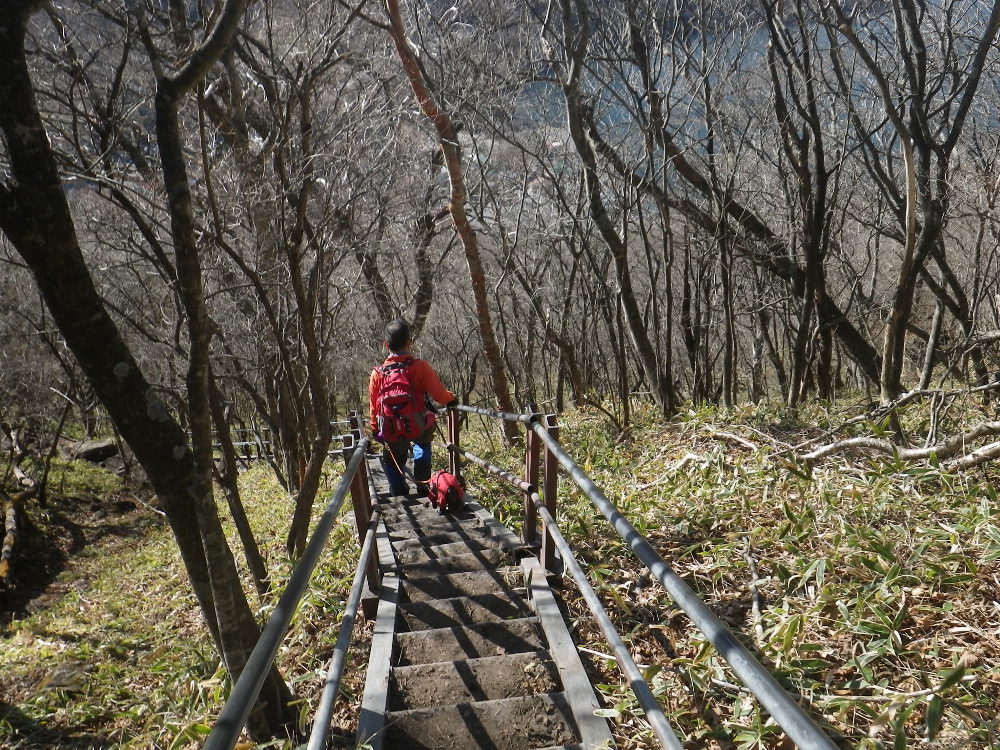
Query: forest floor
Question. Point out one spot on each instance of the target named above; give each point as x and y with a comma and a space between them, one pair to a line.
869, 585
102, 644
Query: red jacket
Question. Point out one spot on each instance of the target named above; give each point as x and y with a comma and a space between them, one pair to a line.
425, 381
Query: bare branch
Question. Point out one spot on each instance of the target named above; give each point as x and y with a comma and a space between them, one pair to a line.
950, 447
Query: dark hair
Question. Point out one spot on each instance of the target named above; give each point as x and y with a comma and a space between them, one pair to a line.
397, 334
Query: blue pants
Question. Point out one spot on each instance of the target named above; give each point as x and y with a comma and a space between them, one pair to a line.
395, 456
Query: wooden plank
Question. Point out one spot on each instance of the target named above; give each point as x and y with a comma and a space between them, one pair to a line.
594, 730
374, 701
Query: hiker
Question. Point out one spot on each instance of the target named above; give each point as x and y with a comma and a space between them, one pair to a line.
399, 409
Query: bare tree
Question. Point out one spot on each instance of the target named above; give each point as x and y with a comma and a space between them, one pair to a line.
926, 91
46, 239
448, 141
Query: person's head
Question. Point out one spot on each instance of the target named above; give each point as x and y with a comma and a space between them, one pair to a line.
397, 335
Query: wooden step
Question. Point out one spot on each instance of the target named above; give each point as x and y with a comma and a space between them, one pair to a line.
506, 724
465, 656
412, 538
471, 680
417, 553
433, 524
415, 513
450, 585
468, 562
462, 610
460, 642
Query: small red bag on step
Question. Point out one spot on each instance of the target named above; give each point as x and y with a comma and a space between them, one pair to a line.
445, 491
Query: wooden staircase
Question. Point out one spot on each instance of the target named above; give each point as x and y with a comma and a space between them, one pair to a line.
470, 649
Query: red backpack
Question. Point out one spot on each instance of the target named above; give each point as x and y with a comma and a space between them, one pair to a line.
400, 415
445, 491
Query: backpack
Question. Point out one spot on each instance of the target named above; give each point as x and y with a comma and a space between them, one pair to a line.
400, 415
445, 491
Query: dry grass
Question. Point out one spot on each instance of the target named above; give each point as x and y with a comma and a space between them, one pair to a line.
116, 655
878, 583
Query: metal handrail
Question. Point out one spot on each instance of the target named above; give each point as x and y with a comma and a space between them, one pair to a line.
761, 683
233, 716
785, 711
493, 469
324, 713
524, 418
654, 714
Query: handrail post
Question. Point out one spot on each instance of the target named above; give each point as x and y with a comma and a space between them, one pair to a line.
354, 420
549, 561
454, 460
364, 491
361, 514
529, 529
361, 500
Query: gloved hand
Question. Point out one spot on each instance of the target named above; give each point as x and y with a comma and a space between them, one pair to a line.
452, 404
378, 437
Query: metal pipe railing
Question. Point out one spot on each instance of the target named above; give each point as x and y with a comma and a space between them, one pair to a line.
550, 468
361, 496
654, 714
324, 713
532, 457
234, 713
493, 469
786, 712
523, 418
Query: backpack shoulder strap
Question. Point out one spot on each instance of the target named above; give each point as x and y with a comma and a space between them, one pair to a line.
399, 364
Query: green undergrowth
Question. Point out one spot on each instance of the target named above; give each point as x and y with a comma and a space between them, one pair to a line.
875, 580
875, 583
81, 479
68, 478
116, 654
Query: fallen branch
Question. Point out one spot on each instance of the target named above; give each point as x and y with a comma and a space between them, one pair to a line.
891, 696
10, 535
986, 337
10, 505
755, 600
769, 438
946, 449
662, 479
686, 460
17, 455
881, 411
977, 457
733, 438
23, 479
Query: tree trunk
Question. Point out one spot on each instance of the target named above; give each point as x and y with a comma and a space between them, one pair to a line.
576, 37
227, 476
448, 140
689, 329
46, 239
932, 339
728, 324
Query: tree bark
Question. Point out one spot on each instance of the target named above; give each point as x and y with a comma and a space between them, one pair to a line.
758, 243
926, 151
227, 476
35, 216
576, 40
448, 140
